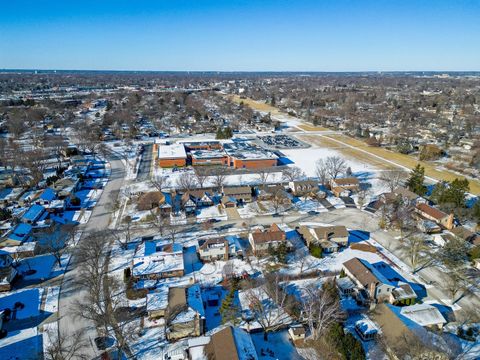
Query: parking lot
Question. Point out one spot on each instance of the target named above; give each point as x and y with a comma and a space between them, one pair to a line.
282, 142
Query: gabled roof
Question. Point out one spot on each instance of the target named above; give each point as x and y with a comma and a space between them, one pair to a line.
423, 314
431, 211
234, 190
231, 343
273, 233
364, 272
410, 195
33, 213
328, 232
203, 244
346, 181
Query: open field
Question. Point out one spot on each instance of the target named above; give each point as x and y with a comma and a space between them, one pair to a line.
257, 105
323, 141
359, 150
261, 106
403, 160
308, 127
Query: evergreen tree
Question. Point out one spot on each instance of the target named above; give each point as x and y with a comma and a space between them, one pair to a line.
415, 182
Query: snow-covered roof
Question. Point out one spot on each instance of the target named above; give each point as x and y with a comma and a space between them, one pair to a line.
158, 300
423, 314
366, 326
174, 151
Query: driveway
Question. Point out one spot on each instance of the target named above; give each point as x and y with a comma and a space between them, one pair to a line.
69, 292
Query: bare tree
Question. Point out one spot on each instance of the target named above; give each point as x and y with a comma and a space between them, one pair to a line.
321, 171
161, 183
416, 249
392, 178
65, 347
219, 177
278, 200
267, 303
335, 166
202, 173
262, 176
186, 182
159, 219
292, 173
456, 284
320, 310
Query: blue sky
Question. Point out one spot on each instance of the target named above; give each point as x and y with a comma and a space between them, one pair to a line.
295, 35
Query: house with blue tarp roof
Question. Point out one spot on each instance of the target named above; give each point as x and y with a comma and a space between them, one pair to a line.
46, 197
20, 234
33, 214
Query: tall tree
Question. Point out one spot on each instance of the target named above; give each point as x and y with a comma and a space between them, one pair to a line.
415, 182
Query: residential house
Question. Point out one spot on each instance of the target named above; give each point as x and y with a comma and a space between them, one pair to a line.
242, 194
430, 213
231, 343
157, 260
400, 333
330, 238
188, 203
34, 214
297, 332
10, 195
157, 302
7, 271
465, 234
368, 278
408, 197
302, 188
19, 235
65, 187
46, 197
213, 249
228, 202
262, 240
379, 281
185, 314
202, 198
344, 186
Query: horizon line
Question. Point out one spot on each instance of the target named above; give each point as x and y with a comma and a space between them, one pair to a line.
239, 71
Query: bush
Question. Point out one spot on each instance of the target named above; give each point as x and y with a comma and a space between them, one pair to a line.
346, 344
316, 250
135, 294
474, 253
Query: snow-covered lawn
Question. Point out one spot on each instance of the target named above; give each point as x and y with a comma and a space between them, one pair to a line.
303, 206
278, 344
211, 212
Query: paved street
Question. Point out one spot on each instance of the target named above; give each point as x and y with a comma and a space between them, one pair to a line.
99, 220
145, 163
